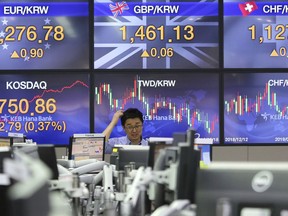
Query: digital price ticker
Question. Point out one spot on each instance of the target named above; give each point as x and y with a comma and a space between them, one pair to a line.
50, 35
155, 34
42, 109
255, 34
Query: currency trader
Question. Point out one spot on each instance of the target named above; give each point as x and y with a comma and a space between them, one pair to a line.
132, 123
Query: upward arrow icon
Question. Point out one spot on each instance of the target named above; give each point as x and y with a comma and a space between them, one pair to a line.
145, 54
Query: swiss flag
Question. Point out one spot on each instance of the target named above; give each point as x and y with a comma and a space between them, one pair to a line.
248, 7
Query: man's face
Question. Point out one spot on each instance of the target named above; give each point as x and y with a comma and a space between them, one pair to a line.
133, 129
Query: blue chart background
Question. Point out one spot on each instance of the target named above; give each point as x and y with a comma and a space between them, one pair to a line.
257, 127
72, 101
70, 53
240, 51
199, 92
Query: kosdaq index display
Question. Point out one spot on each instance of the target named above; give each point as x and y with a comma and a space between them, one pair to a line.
155, 34
43, 107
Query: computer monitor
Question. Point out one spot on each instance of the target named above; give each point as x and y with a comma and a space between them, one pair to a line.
155, 145
242, 189
204, 146
5, 152
5, 141
205, 152
17, 137
29, 149
29, 195
135, 154
189, 160
18, 140
47, 154
179, 137
87, 146
9, 140
44, 152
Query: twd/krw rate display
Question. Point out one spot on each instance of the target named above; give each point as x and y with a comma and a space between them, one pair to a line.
155, 34
170, 103
46, 108
255, 34
44, 35
256, 107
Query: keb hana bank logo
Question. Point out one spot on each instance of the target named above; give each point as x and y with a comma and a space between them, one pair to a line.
247, 8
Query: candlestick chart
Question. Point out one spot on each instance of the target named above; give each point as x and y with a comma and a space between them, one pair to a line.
169, 102
256, 108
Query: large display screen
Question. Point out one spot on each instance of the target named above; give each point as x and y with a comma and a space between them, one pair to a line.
44, 34
256, 106
255, 34
169, 102
47, 108
150, 34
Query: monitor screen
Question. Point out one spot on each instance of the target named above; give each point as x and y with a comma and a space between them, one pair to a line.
242, 189
169, 102
5, 141
52, 34
138, 155
9, 141
256, 211
154, 149
205, 151
261, 34
5, 152
255, 109
6, 182
156, 34
29, 149
158, 143
30, 194
43, 107
87, 146
47, 154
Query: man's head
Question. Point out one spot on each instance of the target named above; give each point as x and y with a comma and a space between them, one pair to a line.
132, 122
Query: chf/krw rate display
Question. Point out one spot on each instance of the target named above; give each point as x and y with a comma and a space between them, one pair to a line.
169, 102
255, 34
44, 35
256, 106
155, 34
46, 108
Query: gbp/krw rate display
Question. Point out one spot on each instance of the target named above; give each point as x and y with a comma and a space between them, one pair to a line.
170, 103
46, 108
44, 35
255, 34
256, 108
155, 34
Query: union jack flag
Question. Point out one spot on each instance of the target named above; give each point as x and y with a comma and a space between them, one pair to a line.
118, 8
115, 53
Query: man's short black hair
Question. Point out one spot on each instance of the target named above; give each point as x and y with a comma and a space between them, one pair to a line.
131, 113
